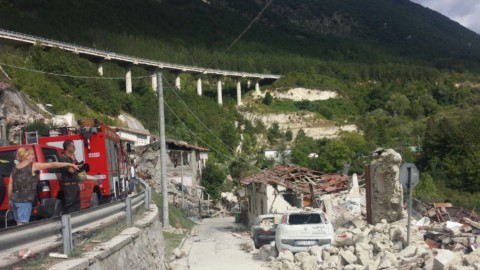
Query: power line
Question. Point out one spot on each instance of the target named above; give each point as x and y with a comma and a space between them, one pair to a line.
236, 39
71, 76
200, 121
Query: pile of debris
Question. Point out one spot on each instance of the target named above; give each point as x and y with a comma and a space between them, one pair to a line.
359, 245
445, 238
442, 212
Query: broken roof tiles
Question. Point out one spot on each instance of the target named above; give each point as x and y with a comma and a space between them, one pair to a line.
299, 179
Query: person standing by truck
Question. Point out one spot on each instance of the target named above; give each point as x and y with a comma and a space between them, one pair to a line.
70, 179
22, 187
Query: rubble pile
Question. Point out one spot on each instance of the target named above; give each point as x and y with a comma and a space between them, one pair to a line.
359, 245
444, 238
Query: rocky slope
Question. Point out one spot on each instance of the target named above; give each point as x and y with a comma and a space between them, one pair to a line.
312, 124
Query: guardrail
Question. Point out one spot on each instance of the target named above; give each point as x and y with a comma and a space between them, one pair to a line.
19, 37
18, 237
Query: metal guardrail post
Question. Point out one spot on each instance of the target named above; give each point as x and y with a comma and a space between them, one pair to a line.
149, 195
129, 211
67, 235
147, 204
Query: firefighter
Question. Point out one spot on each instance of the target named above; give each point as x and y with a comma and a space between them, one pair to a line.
70, 179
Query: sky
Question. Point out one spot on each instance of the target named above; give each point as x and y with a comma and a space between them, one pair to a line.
465, 12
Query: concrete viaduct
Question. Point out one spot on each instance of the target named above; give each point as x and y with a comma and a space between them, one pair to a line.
99, 56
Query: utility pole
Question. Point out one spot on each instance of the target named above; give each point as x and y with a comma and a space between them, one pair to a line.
163, 151
181, 176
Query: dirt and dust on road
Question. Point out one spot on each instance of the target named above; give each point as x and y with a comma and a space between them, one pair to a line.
216, 244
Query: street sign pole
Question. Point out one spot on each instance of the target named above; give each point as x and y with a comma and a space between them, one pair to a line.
409, 176
409, 187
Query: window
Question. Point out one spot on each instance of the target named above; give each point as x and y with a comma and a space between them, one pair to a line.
51, 155
7, 161
313, 218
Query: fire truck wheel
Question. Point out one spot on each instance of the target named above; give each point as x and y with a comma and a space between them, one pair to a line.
94, 202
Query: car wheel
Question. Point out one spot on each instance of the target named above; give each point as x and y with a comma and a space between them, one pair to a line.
94, 202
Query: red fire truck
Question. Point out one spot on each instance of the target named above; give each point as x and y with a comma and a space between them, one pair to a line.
100, 146
49, 196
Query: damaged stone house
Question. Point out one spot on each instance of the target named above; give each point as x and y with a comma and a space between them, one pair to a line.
286, 187
184, 164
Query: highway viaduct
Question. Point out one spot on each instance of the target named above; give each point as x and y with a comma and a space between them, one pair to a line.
99, 56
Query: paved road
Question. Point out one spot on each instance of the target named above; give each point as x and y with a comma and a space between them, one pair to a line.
213, 246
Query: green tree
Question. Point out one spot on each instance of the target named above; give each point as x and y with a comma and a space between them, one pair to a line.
268, 99
213, 179
288, 135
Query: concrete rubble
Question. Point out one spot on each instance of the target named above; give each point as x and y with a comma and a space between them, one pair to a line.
434, 244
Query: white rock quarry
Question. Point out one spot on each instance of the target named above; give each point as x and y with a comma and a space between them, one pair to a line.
299, 94
313, 125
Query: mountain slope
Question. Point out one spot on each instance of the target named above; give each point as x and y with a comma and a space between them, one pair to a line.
316, 28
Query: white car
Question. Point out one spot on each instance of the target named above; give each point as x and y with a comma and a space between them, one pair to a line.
301, 229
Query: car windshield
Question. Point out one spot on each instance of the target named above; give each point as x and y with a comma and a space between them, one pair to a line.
313, 218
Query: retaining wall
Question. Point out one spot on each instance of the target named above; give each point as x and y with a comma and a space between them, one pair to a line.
139, 247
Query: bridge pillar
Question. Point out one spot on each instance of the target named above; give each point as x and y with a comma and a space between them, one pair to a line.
239, 93
257, 87
100, 68
154, 81
128, 81
177, 82
219, 92
199, 86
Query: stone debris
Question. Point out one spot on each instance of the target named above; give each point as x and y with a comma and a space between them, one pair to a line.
445, 238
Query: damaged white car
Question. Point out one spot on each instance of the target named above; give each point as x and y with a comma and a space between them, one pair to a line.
301, 229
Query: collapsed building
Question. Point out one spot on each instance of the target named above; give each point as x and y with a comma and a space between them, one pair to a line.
370, 223
286, 187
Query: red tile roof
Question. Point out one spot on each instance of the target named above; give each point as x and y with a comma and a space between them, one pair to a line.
299, 179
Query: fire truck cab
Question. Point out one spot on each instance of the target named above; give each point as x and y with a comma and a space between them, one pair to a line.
100, 146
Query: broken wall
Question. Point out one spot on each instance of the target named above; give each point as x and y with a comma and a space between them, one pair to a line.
264, 199
386, 193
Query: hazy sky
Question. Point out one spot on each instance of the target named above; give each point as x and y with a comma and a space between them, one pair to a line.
466, 12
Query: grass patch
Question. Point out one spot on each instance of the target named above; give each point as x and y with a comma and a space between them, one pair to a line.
176, 216
177, 219
172, 241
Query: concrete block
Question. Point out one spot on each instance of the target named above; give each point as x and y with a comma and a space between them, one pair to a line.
363, 258
461, 267
348, 257
285, 255
409, 251
334, 261
288, 265
443, 259
471, 258
309, 262
300, 256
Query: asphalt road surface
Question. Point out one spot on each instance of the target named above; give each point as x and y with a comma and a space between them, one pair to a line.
213, 246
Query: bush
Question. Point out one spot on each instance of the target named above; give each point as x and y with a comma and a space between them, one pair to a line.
268, 99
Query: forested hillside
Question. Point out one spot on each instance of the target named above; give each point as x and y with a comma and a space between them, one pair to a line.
407, 76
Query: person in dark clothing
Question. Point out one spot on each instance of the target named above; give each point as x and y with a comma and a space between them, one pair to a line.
22, 187
70, 179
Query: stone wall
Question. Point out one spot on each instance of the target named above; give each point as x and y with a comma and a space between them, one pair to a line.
386, 190
138, 247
